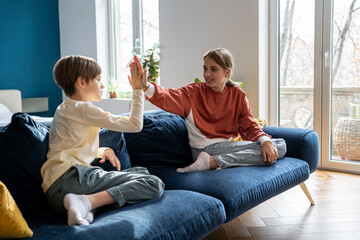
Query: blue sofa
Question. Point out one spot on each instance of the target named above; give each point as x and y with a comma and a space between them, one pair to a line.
193, 204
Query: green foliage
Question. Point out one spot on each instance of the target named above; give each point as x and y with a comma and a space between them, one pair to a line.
239, 83
124, 94
112, 85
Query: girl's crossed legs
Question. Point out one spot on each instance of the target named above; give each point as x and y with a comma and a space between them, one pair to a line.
231, 154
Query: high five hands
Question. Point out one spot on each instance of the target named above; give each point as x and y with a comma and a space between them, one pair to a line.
138, 79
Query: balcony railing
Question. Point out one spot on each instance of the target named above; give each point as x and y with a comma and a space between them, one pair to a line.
296, 105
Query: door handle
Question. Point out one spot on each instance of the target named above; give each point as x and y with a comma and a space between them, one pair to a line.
326, 59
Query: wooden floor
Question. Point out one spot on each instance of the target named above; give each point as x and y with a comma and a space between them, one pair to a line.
336, 214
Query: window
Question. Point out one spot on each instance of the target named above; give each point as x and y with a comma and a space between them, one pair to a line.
134, 28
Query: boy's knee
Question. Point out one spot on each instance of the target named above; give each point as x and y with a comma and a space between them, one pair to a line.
281, 147
157, 185
140, 170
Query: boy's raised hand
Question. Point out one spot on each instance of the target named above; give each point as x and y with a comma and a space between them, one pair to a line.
138, 64
139, 68
137, 76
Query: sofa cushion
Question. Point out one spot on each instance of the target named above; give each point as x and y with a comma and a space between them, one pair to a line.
12, 223
239, 188
176, 215
163, 141
23, 149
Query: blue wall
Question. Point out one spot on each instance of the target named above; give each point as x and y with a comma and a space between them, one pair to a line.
29, 48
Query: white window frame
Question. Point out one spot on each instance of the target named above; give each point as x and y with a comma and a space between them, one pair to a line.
274, 119
112, 34
138, 30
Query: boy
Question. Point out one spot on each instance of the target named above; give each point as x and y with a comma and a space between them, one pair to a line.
70, 183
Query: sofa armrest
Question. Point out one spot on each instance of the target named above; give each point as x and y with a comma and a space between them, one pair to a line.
300, 143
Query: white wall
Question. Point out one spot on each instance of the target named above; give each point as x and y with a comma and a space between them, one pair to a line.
84, 30
77, 28
188, 28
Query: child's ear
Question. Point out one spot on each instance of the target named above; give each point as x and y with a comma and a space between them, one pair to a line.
80, 82
228, 73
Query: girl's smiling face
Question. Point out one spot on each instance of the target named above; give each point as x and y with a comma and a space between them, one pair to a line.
214, 75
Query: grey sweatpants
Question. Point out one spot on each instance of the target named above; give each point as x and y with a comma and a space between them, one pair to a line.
239, 153
131, 186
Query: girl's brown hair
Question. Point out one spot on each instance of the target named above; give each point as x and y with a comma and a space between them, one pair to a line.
68, 69
224, 58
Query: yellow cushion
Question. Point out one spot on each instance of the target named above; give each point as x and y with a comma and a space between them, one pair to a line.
261, 122
12, 223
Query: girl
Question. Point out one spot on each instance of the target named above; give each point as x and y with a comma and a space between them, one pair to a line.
215, 111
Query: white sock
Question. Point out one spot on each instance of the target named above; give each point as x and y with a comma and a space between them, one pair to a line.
89, 217
202, 163
78, 208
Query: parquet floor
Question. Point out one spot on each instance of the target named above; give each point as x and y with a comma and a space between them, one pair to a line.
336, 214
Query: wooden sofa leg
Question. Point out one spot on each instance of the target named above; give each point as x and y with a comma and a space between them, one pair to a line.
304, 188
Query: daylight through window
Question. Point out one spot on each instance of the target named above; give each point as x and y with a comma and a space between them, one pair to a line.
134, 29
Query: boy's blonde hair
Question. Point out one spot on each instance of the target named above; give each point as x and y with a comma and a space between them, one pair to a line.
68, 69
224, 58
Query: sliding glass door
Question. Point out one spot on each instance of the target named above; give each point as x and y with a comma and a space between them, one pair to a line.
342, 30
319, 75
